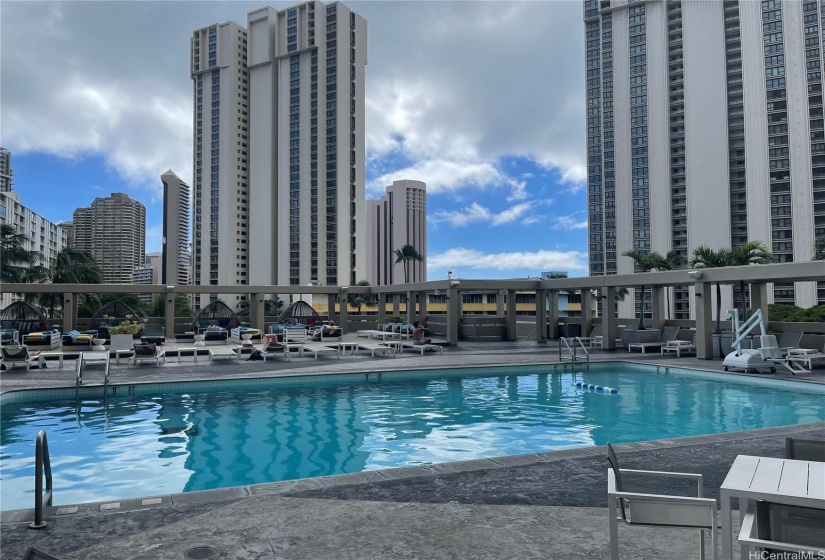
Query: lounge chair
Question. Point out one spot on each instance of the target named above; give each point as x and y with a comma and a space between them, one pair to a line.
770, 352
77, 337
373, 348
594, 339
272, 349
147, 352
806, 356
668, 334
679, 346
294, 341
655, 510
320, 349
222, 353
122, 345
17, 354
153, 333
789, 340
49, 338
422, 347
9, 336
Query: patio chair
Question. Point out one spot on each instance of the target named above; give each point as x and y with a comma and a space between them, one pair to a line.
770, 352
805, 449
222, 353
147, 352
316, 349
595, 336
760, 531
122, 345
668, 334
17, 354
806, 356
789, 340
153, 333
422, 347
294, 341
373, 348
272, 349
656, 510
679, 346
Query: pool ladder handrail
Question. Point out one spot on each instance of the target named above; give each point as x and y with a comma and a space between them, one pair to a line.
79, 374
572, 352
42, 465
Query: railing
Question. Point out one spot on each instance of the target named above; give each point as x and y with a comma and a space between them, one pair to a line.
572, 351
42, 464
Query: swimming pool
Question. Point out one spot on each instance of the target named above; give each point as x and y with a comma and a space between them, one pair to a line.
168, 438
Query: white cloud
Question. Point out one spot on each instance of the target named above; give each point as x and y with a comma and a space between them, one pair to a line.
460, 218
511, 214
568, 222
538, 260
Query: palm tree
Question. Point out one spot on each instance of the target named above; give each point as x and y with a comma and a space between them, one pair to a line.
71, 266
362, 300
752, 252
646, 262
705, 257
819, 248
405, 255
673, 260
14, 259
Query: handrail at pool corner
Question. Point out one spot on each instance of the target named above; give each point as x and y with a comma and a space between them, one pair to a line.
42, 463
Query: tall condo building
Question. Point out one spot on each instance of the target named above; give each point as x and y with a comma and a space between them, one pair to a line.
398, 218
306, 71
41, 235
279, 148
705, 127
221, 159
5, 170
175, 262
113, 231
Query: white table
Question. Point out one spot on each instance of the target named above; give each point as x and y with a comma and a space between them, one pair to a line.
780, 481
344, 346
396, 345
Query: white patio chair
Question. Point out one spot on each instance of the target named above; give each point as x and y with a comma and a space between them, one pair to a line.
760, 532
668, 334
656, 510
789, 340
17, 354
147, 352
679, 346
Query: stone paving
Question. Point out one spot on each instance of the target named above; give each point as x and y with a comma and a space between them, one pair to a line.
544, 505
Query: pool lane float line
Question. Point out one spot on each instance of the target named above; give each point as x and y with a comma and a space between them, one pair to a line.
597, 388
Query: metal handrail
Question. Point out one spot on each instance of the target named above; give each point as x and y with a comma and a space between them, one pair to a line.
42, 463
78, 373
573, 357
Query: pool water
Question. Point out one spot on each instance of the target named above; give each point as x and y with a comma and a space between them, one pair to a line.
159, 444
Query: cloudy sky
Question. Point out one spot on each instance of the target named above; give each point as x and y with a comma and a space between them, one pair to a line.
483, 101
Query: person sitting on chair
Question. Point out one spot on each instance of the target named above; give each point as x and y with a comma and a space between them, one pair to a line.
418, 335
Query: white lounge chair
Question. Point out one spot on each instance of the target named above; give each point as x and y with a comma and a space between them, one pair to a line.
122, 345
595, 336
655, 510
667, 334
806, 356
17, 354
679, 346
147, 352
272, 350
373, 348
316, 349
789, 340
222, 353
422, 347
770, 352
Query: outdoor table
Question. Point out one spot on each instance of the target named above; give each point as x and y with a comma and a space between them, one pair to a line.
396, 345
780, 481
344, 346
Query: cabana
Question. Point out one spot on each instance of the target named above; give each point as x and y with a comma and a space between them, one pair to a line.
300, 313
111, 315
23, 318
216, 314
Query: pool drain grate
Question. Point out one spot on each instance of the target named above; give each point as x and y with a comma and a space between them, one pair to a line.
200, 553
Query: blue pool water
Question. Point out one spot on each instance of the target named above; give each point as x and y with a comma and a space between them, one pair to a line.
166, 443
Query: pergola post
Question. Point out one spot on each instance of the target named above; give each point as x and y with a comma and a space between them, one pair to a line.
759, 299
657, 304
69, 311
541, 316
511, 315
342, 310
396, 304
331, 299
256, 311
502, 294
553, 315
453, 315
587, 315
411, 307
422, 307
703, 304
609, 323
169, 313
382, 309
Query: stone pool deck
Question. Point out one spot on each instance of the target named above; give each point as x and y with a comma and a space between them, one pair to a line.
544, 505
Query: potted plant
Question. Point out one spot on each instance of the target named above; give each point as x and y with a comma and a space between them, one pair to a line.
130, 325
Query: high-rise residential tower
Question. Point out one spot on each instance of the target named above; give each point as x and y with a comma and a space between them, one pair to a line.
279, 148
113, 231
174, 268
306, 146
705, 127
397, 219
6, 175
221, 159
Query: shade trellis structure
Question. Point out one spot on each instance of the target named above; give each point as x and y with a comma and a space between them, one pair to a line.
112, 314
218, 314
300, 313
22, 317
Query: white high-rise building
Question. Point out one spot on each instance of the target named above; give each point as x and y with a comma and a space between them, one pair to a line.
705, 127
279, 148
397, 219
221, 159
306, 146
175, 266
6, 173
